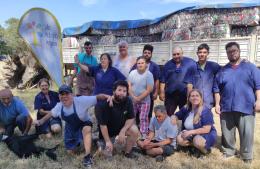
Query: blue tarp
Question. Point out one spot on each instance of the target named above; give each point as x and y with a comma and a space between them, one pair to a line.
131, 24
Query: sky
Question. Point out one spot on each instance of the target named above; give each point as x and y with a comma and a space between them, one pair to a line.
72, 13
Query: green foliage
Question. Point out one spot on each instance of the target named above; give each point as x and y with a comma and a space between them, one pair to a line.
10, 41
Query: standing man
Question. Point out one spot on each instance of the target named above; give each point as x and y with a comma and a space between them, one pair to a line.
173, 90
85, 83
74, 111
13, 113
237, 95
155, 70
123, 62
203, 76
117, 123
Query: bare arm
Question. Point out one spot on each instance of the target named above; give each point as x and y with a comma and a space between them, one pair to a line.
217, 103
44, 119
203, 130
162, 91
127, 125
189, 88
130, 91
82, 66
147, 92
43, 112
104, 132
156, 91
28, 124
257, 103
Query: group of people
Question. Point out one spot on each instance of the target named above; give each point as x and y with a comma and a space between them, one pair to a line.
123, 90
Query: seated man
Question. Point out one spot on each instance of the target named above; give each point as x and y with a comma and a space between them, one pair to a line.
74, 111
13, 113
117, 122
161, 140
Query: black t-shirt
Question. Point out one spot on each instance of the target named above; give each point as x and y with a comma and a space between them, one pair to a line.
115, 117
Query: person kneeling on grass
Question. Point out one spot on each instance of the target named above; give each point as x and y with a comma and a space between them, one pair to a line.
197, 125
161, 140
74, 111
117, 122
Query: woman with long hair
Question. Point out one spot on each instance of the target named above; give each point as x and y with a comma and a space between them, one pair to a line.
197, 124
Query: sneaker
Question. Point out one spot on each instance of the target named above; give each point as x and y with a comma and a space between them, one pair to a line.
87, 161
131, 155
159, 158
226, 156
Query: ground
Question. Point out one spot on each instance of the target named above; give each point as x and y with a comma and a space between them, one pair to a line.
179, 160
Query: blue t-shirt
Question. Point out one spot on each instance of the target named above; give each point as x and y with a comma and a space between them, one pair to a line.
87, 60
173, 77
203, 80
237, 87
9, 113
164, 130
40, 101
104, 80
206, 118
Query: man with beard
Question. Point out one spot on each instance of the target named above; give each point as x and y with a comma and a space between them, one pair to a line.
155, 70
237, 96
117, 122
173, 90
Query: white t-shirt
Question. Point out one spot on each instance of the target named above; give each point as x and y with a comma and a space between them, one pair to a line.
124, 65
188, 124
139, 83
82, 105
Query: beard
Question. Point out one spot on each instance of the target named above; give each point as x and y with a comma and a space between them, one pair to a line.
120, 98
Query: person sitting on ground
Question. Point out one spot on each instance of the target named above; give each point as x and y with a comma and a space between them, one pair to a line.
44, 101
117, 122
197, 125
13, 113
74, 111
161, 140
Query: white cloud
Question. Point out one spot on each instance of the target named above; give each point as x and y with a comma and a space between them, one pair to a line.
206, 1
88, 2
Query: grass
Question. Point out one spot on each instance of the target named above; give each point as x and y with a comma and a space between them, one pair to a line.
178, 160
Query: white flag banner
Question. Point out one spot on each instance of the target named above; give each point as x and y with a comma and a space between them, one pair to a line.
41, 31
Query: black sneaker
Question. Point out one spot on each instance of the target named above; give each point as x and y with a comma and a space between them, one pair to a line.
131, 155
87, 161
159, 158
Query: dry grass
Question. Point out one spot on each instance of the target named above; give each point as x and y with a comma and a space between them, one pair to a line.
179, 160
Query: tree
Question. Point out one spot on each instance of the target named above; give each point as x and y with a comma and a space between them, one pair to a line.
22, 61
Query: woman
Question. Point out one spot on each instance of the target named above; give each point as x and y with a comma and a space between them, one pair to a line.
141, 85
44, 102
197, 124
105, 75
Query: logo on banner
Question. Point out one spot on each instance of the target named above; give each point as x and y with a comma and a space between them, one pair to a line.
41, 31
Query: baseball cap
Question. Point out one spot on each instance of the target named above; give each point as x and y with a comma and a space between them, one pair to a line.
65, 89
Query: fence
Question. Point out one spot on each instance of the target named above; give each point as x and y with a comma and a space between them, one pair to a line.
250, 49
